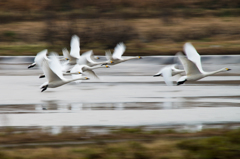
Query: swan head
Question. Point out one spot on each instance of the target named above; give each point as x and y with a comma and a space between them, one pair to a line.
227, 69
182, 80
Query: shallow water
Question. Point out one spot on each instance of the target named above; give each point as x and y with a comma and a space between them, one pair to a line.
126, 95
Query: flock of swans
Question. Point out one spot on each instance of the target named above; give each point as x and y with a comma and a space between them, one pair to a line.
76, 65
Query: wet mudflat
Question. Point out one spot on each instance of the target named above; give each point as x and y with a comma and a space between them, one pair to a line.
125, 95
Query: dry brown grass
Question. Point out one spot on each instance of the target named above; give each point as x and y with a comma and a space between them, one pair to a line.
61, 5
142, 36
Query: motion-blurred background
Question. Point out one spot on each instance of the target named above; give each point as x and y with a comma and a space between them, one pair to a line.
148, 27
128, 114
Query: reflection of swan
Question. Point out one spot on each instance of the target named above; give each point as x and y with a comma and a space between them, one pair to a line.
53, 72
117, 55
76, 107
192, 65
167, 72
39, 58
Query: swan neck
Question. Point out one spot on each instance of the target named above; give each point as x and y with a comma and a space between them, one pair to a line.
214, 72
129, 58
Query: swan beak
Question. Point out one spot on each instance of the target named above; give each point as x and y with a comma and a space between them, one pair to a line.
98, 58
66, 58
139, 57
86, 78
107, 66
228, 69
79, 72
111, 61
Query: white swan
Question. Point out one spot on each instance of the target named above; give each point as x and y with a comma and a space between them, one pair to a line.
84, 68
74, 51
117, 55
88, 58
39, 58
53, 72
74, 54
192, 65
167, 72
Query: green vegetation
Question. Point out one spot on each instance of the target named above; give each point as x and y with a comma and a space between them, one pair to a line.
225, 146
207, 144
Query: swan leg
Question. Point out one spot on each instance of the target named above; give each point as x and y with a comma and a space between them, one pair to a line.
42, 76
32, 65
44, 88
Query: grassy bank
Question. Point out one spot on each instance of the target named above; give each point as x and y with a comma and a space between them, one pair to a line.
168, 144
154, 27
142, 36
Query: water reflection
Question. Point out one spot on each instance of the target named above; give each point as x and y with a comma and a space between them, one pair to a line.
168, 102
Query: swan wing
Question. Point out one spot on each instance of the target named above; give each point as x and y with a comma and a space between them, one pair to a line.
118, 51
108, 55
76, 69
48, 72
193, 55
66, 54
56, 67
89, 56
189, 67
77, 76
175, 70
75, 46
167, 75
82, 60
92, 73
40, 57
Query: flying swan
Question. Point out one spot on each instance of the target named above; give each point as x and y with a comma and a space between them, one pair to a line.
52, 71
192, 65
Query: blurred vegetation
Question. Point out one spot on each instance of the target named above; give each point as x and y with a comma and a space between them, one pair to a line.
206, 144
153, 27
225, 146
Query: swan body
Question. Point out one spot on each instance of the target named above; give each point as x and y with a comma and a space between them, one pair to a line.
53, 73
88, 58
192, 65
167, 72
84, 68
117, 55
